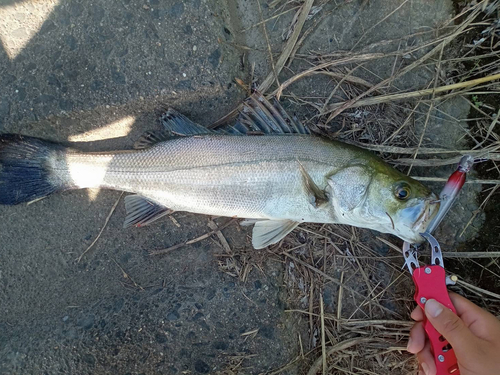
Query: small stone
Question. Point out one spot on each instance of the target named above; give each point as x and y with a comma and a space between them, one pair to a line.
66, 105
96, 85
267, 332
160, 338
195, 48
145, 7
220, 345
75, 9
214, 58
21, 93
20, 33
65, 318
117, 76
86, 322
173, 315
71, 42
177, 10
184, 75
8, 79
90, 359
20, 16
198, 315
201, 367
47, 27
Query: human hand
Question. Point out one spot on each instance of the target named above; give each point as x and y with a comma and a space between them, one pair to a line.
473, 333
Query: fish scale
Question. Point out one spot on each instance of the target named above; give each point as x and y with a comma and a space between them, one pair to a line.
251, 179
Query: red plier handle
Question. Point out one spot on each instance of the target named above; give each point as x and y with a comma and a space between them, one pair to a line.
430, 283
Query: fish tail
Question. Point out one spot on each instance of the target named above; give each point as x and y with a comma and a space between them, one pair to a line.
28, 169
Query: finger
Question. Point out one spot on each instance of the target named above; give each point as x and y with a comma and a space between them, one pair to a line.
416, 342
449, 325
426, 360
480, 322
417, 314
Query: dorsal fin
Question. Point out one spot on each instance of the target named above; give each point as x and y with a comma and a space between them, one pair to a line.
258, 115
176, 123
151, 137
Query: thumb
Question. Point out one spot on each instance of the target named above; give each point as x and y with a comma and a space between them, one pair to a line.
449, 325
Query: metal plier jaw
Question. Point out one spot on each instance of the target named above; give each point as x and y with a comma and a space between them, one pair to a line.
430, 283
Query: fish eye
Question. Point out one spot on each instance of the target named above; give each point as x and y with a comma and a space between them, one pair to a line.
402, 191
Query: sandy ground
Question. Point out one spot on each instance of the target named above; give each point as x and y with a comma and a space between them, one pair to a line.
86, 72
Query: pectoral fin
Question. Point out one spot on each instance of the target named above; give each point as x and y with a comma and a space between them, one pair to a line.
268, 232
317, 197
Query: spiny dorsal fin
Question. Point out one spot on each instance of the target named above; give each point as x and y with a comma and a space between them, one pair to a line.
176, 123
142, 211
258, 115
268, 232
150, 138
317, 197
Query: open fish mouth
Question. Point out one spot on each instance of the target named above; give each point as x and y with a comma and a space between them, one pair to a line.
431, 208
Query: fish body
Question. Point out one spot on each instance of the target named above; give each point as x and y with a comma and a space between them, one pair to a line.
225, 175
276, 180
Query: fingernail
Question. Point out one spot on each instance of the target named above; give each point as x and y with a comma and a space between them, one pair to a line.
425, 368
433, 308
408, 345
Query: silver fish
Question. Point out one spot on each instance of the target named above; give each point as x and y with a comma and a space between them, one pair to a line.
276, 180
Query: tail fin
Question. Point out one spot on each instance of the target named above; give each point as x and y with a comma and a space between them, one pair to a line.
26, 169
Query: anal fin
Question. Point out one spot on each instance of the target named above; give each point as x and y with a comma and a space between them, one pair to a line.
268, 232
142, 211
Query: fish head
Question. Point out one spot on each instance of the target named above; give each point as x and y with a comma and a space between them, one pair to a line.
401, 205
378, 197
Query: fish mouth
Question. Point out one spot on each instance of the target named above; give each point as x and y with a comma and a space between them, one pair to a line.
429, 211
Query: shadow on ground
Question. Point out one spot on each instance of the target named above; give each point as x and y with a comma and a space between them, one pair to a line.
89, 67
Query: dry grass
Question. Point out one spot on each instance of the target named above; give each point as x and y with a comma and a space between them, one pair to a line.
348, 285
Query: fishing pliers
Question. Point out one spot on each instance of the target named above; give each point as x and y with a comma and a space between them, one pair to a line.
430, 283
430, 280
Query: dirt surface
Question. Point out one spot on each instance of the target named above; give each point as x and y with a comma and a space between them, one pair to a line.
75, 71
